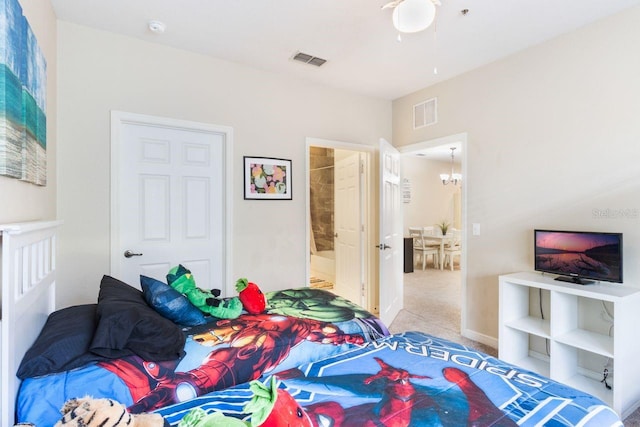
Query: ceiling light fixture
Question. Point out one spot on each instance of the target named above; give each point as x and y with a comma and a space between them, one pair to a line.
412, 16
157, 27
453, 178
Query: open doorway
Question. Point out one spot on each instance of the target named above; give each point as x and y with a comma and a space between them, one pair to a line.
338, 217
428, 202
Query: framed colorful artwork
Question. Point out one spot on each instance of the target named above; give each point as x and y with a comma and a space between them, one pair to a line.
266, 178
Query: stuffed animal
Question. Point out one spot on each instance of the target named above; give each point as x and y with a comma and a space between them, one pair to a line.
269, 406
198, 417
253, 300
181, 279
90, 412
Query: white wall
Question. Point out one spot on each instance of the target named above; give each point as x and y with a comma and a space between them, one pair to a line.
553, 141
271, 116
22, 201
431, 202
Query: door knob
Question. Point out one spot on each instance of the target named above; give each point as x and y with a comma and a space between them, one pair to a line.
383, 246
129, 254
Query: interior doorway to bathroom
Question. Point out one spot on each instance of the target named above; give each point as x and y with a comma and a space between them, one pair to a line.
338, 219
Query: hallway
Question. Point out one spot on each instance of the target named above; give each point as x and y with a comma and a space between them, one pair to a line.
432, 305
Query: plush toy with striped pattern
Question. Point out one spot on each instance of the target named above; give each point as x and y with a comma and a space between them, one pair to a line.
89, 412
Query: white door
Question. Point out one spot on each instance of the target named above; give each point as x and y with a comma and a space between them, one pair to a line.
391, 240
168, 199
348, 228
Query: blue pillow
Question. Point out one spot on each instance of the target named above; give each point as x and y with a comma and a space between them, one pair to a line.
171, 303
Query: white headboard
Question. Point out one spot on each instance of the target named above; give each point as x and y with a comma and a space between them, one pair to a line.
28, 296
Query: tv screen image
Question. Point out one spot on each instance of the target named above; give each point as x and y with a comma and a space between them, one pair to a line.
576, 255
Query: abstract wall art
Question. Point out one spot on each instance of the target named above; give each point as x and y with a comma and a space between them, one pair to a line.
23, 78
266, 178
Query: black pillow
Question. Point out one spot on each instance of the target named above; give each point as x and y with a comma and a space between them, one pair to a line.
63, 343
127, 325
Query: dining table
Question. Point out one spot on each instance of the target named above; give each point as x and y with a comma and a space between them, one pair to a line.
442, 240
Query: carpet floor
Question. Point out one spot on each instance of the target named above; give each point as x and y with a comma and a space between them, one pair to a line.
432, 305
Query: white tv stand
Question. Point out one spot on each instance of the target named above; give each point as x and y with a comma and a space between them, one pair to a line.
569, 338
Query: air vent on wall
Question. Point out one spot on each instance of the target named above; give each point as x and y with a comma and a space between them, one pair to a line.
425, 113
309, 59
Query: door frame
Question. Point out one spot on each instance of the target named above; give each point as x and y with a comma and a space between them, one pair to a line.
462, 139
120, 118
371, 294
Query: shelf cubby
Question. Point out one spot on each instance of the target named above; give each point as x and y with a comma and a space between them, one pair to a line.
578, 341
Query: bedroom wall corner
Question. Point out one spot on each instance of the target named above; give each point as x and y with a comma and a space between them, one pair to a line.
22, 201
552, 144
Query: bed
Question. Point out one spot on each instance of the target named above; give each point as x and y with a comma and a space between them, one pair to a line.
28, 252
151, 348
415, 379
336, 359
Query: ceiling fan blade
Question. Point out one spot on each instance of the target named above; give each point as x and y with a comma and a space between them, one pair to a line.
392, 4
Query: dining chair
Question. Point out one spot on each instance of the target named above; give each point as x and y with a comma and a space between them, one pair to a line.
422, 248
453, 247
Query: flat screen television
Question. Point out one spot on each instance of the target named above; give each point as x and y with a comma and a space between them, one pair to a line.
579, 256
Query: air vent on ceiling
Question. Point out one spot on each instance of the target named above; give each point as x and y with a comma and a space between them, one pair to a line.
425, 113
309, 59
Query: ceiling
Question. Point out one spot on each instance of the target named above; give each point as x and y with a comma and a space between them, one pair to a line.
356, 37
440, 153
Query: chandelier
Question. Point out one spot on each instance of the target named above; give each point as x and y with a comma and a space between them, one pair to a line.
412, 16
453, 178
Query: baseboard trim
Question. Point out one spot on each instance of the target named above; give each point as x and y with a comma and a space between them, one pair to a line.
481, 338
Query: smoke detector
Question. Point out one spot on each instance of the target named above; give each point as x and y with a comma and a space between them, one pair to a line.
157, 27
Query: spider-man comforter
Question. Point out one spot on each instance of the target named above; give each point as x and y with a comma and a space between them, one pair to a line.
414, 379
301, 325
